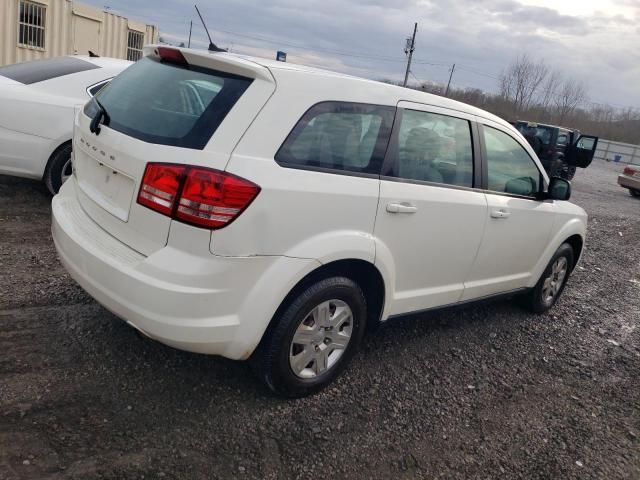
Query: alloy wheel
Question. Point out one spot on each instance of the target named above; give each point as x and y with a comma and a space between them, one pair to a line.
321, 339
553, 283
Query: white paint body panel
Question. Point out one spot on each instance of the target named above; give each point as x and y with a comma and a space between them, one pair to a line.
216, 292
36, 119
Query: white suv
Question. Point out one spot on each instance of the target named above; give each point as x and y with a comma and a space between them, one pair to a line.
247, 208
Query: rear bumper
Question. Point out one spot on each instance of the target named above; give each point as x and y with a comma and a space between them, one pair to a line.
199, 303
629, 182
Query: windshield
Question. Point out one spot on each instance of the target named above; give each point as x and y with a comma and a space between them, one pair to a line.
544, 134
168, 104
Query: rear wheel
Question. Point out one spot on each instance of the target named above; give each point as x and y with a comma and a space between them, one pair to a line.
58, 169
552, 282
634, 193
314, 338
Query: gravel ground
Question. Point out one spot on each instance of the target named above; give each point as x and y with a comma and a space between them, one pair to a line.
482, 392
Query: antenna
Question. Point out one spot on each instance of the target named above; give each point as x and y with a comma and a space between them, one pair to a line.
212, 46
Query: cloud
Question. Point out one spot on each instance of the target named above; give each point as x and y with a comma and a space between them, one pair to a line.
366, 37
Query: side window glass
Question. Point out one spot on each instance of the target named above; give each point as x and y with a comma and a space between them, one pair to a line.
510, 169
563, 139
339, 136
434, 148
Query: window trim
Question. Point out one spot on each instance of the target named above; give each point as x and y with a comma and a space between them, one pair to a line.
102, 82
337, 171
485, 166
392, 156
43, 27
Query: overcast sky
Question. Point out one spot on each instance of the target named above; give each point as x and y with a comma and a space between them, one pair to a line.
596, 41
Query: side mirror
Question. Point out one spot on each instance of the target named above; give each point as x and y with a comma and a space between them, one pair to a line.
524, 186
559, 189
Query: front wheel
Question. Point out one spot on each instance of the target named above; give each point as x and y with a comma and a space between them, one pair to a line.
314, 338
634, 193
552, 282
568, 172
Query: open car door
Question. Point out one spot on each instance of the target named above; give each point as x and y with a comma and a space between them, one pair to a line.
581, 153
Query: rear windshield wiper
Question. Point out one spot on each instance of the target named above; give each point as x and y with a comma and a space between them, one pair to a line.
100, 116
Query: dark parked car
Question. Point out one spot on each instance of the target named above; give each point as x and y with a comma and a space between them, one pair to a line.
561, 150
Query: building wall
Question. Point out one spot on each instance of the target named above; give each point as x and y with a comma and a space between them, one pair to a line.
70, 28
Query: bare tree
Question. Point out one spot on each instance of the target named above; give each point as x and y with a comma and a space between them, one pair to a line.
570, 95
549, 89
521, 80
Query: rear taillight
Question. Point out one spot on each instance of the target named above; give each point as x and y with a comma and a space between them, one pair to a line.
160, 186
199, 196
630, 171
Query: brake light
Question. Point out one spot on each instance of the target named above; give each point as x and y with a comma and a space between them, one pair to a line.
160, 186
171, 55
213, 199
630, 171
199, 196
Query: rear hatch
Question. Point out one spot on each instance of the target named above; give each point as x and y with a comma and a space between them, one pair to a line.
176, 106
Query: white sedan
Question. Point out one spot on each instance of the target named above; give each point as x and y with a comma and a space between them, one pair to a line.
37, 104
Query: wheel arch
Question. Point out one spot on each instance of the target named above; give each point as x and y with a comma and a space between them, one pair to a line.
364, 273
577, 243
572, 233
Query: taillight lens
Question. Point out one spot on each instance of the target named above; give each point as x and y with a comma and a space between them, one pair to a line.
213, 199
160, 186
630, 171
199, 196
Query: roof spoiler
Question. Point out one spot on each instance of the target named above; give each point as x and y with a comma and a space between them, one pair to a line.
221, 61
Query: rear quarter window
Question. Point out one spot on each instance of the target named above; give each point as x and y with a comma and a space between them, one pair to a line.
42, 70
339, 136
168, 104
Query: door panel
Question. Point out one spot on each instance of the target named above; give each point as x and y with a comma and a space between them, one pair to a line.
86, 36
516, 234
518, 225
433, 242
581, 153
429, 218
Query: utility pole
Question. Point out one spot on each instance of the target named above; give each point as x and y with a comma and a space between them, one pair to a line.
446, 93
411, 46
190, 29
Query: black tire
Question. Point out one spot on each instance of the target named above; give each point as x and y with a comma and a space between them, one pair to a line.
271, 361
536, 300
568, 172
57, 167
634, 193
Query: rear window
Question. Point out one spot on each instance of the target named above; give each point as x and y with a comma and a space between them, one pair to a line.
169, 104
544, 134
41, 70
339, 136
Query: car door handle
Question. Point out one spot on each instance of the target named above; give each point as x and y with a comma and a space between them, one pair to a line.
500, 213
401, 208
